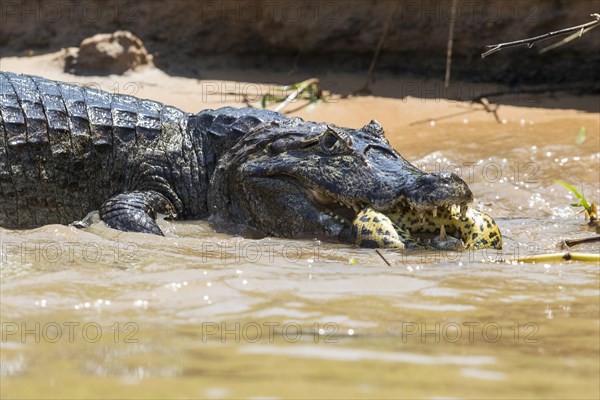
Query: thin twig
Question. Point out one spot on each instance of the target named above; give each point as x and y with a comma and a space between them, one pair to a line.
483, 101
488, 107
530, 41
450, 43
383, 258
428, 120
367, 86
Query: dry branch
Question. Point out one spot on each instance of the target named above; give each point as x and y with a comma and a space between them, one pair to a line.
581, 29
573, 256
568, 243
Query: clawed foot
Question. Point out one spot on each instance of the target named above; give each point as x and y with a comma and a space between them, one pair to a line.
85, 222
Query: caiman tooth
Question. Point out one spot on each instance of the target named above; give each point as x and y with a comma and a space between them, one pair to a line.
442, 232
463, 210
434, 212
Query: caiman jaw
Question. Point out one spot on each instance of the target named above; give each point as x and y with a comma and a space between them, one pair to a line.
413, 219
342, 211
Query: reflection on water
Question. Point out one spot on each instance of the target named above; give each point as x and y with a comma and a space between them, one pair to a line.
204, 314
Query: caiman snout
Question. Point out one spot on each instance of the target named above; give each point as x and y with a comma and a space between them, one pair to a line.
440, 188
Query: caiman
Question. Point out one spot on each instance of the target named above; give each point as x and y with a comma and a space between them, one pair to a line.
66, 150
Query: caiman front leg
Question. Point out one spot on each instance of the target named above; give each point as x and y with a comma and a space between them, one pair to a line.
136, 211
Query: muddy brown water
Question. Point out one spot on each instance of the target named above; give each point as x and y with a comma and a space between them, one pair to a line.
99, 313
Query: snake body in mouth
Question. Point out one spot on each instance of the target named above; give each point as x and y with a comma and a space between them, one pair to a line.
446, 228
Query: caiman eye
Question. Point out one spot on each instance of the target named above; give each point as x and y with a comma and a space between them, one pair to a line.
329, 142
335, 140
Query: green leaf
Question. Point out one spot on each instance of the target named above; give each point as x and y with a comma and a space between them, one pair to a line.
582, 200
581, 135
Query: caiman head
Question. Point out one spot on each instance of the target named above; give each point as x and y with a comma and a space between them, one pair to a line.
308, 179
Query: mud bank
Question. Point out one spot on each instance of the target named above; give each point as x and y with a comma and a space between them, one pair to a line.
205, 37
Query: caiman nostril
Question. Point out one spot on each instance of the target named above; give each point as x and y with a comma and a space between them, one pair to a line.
439, 177
445, 175
428, 179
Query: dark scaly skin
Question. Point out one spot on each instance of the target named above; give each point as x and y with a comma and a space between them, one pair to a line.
67, 150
